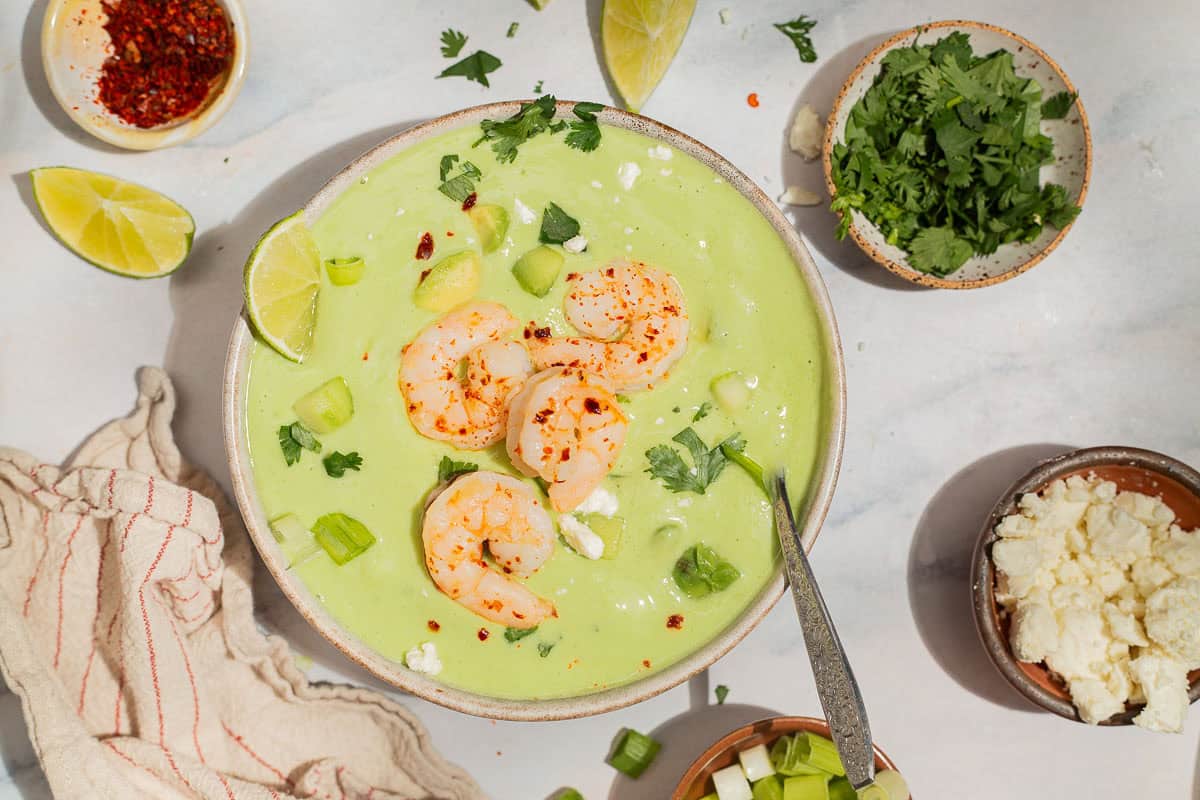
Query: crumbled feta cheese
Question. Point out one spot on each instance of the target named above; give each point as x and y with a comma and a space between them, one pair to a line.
724, 14
799, 196
703, 244
524, 212
581, 538
424, 658
597, 185
628, 230
399, 212
627, 173
665, 172
576, 244
805, 136
1104, 588
600, 501
660, 152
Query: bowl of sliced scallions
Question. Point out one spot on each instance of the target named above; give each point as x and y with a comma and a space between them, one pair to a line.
782, 758
957, 154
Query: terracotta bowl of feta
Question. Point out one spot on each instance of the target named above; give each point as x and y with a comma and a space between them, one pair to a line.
1169, 506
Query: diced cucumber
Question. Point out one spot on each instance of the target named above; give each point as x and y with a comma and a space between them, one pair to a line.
327, 407
892, 782
344, 538
453, 281
841, 789
731, 784
344, 271
491, 223
768, 788
731, 390
295, 540
756, 763
610, 529
806, 787
538, 269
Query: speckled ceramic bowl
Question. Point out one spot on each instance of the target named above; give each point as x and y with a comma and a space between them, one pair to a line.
1132, 470
74, 47
724, 753
818, 493
1072, 146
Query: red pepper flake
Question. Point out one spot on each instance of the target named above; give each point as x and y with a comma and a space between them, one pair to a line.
752, 99
675, 622
646, 663
450, 234
483, 634
469, 203
434, 625
365, 355
425, 247
168, 58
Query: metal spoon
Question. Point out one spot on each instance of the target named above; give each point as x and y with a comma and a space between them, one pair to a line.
840, 697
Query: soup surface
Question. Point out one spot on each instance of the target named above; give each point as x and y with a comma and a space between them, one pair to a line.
750, 311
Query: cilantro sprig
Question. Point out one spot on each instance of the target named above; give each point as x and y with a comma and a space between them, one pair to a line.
668, 466
797, 30
557, 226
585, 133
449, 469
460, 186
294, 439
452, 42
942, 154
475, 67
336, 464
507, 135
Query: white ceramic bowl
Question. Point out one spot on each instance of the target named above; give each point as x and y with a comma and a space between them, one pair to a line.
1072, 146
819, 493
74, 47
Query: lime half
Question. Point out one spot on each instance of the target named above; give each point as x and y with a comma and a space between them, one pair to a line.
283, 278
115, 225
640, 39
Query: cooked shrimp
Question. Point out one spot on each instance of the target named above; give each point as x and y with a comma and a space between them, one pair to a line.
633, 321
566, 427
506, 513
469, 412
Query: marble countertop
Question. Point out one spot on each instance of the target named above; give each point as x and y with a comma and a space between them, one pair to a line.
951, 395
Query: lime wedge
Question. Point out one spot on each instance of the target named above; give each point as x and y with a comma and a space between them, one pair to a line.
115, 225
640, 39
283, 278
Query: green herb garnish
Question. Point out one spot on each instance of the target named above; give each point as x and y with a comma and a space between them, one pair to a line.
702, 411
700, 571
337, 463
557, 226
1057, 106
512, 29
668, 466
537, 87
722, 691
517, 634
449, 469
544, 648
585, 133
293, 439
452, 42
457, 187
942, 154
474, 67
506, 135
797, 30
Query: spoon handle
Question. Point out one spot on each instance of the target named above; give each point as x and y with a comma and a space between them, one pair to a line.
840, 697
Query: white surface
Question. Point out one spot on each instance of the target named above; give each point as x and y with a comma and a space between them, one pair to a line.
952, 395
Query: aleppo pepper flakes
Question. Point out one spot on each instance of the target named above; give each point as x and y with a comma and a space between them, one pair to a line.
167, 56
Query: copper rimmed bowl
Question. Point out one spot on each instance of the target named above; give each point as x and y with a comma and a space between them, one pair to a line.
818, 494
1072, 167
1132, 470
724, 753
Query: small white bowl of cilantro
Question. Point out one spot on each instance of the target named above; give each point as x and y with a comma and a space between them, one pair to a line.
958, 154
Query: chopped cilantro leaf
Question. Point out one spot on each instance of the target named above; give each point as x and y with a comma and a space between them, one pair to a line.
337, 463
474, 67
668, 466
449, 469
295, 438
939, 251
506, 135
585, 133
1058, 105
557, 226
722, 691
452, 42
537, 87
702, 411
544, 648
797, 30
517, 634
458, 187
512, 30
446, 165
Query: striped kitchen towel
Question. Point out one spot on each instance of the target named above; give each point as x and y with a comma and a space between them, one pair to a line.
127, 629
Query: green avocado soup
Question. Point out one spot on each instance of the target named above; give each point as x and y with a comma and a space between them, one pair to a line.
750, 310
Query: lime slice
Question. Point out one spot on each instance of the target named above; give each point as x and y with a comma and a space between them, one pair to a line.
115, 225
283, 278
640, 39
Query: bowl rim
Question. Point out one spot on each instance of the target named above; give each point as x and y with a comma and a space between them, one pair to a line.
788, 725
983, 572
130, 138
817, 498
900, 268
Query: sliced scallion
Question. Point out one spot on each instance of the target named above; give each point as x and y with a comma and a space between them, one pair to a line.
806, 787
633, 753
344, 271
343, 538
768, 788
